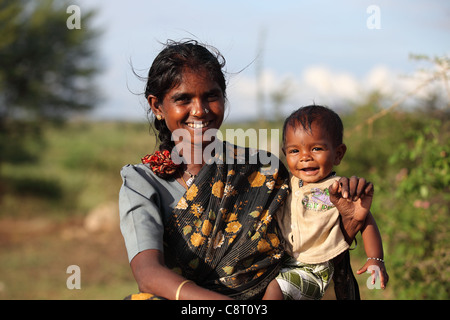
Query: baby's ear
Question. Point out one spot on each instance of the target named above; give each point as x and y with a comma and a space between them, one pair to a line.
340, 152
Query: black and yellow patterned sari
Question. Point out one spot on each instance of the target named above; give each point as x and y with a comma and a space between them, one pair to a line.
223, 234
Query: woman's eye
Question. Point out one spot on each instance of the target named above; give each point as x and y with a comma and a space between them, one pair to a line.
212, 97
182, 98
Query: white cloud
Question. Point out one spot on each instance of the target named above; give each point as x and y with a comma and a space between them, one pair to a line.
323, 85
325, 82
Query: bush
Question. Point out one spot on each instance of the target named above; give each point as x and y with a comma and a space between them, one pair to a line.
406, 155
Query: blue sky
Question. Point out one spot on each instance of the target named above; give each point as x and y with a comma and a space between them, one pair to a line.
324, 49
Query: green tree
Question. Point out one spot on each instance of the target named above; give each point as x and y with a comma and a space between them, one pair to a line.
46, 70
419, 235
405, 152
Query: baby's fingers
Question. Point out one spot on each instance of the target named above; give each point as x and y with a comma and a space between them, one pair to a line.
384, 278
362, 270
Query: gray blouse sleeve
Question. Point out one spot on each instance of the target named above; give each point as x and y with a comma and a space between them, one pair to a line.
141, 221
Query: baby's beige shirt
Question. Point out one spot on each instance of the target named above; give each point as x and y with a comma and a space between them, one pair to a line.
310, 223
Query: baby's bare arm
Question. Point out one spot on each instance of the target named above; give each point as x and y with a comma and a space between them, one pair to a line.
374, 250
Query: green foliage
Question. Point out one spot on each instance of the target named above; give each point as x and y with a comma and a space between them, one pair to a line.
78, 170
406, 155
408, 164
46, 70
419, 235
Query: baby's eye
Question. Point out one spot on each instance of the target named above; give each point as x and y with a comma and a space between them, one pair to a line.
317, 149
291, 151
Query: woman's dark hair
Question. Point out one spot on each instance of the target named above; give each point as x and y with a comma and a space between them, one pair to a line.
166, 73
327, 118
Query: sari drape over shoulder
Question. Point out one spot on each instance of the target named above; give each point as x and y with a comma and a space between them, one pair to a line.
223, 234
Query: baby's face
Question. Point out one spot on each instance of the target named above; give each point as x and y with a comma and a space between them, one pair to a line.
311, 155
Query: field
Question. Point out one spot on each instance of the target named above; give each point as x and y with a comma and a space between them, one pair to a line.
60, 209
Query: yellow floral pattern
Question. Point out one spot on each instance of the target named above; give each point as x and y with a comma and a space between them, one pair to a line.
233, 227
182, 204
197, 239
192, 192
263, 245
206, 228
196, 210
217, 189
224, 222
256, 179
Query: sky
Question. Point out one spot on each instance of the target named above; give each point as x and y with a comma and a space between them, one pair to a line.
323, 52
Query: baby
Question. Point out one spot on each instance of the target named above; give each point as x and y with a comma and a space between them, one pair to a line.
310, 221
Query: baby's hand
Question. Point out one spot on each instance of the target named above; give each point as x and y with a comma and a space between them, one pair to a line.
378, 269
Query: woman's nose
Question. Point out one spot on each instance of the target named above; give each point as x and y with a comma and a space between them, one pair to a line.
198, 108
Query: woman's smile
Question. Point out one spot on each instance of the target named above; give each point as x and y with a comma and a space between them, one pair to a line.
198, 124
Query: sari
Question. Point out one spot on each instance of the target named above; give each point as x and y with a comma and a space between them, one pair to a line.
223, 234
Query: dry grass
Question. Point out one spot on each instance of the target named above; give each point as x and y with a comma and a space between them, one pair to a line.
35, 255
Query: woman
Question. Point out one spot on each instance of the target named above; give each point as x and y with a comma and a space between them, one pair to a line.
203, 227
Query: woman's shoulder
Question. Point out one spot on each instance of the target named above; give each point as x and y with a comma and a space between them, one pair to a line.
135, 169
137, 172
141, 177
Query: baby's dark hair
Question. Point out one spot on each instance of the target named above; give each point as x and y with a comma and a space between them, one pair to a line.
167, 70
327, 118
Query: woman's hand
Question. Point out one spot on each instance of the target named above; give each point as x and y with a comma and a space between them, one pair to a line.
353, 198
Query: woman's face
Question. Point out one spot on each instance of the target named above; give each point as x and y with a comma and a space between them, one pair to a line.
196, 105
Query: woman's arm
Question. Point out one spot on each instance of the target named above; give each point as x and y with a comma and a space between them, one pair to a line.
152, 276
